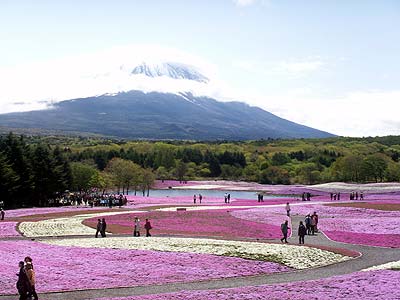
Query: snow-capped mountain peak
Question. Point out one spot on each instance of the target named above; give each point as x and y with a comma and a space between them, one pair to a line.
170, 69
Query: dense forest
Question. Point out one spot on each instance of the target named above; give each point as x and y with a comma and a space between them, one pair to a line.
34, 169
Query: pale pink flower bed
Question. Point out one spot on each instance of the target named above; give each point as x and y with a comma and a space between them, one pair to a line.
370, 239
353, 225
8, 229
43, 210
176, 200
135, 201
381, 285
71, 268
216, 223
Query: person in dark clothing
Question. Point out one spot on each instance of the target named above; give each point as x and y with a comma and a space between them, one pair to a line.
284, 229
147, 226
23, 285
200, 198
308, 224
103, 227
301, 232
2, 213
98, 227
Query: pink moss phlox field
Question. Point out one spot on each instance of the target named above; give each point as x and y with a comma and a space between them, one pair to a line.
175, 200
43, 210
262, 215
357, 225
379, 240
195, 223
381, 285
8, 229
70, 268
135, 201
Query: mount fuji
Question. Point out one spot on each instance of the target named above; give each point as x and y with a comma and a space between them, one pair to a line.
159, 101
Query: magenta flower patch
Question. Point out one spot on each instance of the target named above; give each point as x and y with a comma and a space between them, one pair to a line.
381, 285
69, 268
216, 223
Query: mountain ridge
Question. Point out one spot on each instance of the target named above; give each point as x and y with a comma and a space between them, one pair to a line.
139, 115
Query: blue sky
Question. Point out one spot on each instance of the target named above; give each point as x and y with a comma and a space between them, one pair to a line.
333, 65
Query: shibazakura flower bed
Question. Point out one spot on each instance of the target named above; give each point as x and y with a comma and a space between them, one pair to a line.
8, 229
216, 223
381, 285
292, 256
62, 226
70, 268
353, 223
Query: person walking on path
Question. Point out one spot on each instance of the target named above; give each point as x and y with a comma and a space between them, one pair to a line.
315, 218
2, 213
312, 225
32, 280
200, 198
147, 226
288, 209
308, 224
194, 198
284, 229
98, 227
301, 232
103, 227
23, 285
136, 229
229, 198
226, 197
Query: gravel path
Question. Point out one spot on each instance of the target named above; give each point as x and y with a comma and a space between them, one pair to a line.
371, 256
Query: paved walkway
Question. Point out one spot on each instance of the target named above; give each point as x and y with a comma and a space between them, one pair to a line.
371, 256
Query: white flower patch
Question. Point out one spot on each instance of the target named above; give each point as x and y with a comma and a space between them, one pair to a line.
394, 265
63, 226
292, 256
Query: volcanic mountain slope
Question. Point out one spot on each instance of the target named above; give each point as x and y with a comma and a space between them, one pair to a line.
155, 115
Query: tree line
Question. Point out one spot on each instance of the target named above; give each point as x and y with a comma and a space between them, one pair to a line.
34, 169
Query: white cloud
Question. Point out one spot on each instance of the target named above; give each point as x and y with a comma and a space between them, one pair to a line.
300, 67
244, 2
28, 87
361, 113
285, 69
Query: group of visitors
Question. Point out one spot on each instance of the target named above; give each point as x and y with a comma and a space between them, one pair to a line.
195, 198
311, 222
306, 196
227, 198
93, 198
335, 196
310, 227
26, 280
356, 195
136, 227
102, 226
